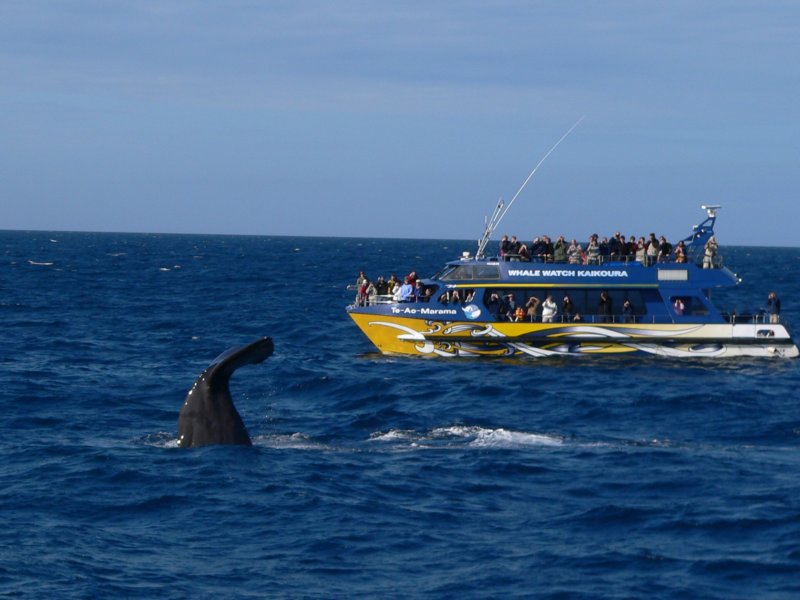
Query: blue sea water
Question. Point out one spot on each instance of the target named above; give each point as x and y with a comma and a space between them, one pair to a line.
371, 476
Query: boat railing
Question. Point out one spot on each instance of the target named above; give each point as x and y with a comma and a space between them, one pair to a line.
756, 318
648, 261
374, 300
606, 319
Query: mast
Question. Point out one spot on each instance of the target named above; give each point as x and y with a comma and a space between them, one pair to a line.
500, 212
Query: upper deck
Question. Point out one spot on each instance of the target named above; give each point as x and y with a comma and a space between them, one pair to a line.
692, 267
471, 273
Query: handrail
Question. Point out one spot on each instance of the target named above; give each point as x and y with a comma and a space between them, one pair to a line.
717, 262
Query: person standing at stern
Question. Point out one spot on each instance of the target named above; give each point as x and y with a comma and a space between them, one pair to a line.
774, 307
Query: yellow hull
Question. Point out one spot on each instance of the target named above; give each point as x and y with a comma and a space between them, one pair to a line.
402, 335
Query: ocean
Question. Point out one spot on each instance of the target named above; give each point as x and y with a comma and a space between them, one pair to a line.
370, 476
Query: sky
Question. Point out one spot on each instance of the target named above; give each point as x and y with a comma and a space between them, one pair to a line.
400, 119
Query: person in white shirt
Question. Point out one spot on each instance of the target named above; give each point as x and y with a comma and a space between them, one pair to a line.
549, 309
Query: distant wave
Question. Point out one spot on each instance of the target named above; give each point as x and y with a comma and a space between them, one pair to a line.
40, 264
291, 441
470, 436
460, 436
502, 438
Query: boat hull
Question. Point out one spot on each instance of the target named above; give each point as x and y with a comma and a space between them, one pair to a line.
420, 337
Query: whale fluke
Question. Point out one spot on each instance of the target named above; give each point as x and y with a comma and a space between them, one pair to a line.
208, 415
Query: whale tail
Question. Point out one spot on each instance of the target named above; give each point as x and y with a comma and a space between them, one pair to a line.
208, 416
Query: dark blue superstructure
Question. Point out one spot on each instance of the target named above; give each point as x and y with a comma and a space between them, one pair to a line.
652, 290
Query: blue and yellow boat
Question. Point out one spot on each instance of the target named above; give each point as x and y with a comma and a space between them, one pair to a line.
482, 306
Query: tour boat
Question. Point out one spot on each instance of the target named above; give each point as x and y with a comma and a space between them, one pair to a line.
510, 304
464, 309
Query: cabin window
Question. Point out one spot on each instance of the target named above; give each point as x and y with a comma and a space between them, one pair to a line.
487, 272
469, 272
458, 273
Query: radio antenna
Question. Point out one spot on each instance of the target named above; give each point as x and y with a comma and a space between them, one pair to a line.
500, 212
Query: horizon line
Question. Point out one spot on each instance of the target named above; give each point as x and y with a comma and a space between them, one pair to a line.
270, 235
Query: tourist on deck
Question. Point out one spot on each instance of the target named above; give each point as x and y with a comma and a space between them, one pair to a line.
664, 250
710, 253
407, 291
531, 306
543, 250
519, 314
614, 250
536, 249
549, 309
547, 249
361, 295
567, 307
630, 249
678, 306
420, 292
505, 245
774, 307
593, 251
641, 251
575, 253
361, 288
560, 250
509, 306
604, 250
651, 250
680, 252
605, 307
494, 305
380, 286
395, 290
628, 312
371, 293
